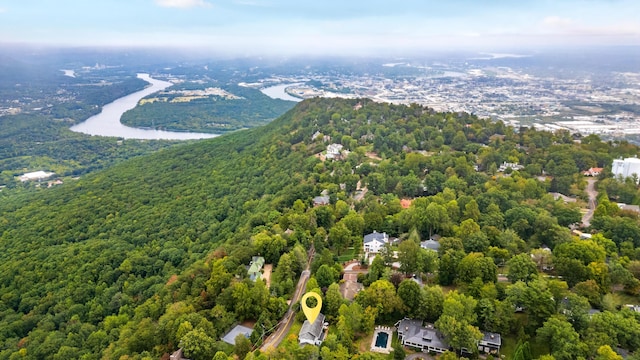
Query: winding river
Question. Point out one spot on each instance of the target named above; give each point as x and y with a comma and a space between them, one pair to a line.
107, 122
278, 92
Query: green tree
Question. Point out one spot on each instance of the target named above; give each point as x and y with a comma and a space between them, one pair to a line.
606, 353
409, 257
197, 345
563, 340
326, 275
521, 268
411, 295
332, 301
242, 346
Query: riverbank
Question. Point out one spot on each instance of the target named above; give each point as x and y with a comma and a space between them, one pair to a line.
107, 122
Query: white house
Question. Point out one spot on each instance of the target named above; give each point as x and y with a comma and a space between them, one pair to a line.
507, 165
36, 175
374, 242
626, 167
334, 151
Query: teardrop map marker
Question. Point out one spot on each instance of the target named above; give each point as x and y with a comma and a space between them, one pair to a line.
311, 313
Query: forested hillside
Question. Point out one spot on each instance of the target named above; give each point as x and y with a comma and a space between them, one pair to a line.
217, 114
150, 255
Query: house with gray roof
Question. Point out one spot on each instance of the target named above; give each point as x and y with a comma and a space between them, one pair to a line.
411, 333
430, 245
490, 343
230, 337
312, 334
321, 200
374, 242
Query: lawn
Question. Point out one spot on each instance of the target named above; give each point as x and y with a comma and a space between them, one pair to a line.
509, 346
350, 254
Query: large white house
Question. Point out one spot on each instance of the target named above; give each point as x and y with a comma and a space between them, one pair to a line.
374, 242
626, 167
36, 176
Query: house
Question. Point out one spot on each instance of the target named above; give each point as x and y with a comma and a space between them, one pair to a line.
36, 175
430, 245
507, 165
593, 172
490, 343
406, 203
626, 168
255, 267
374, 242
411, 333
312, 334
334, 151
230, 337
177, 355
631, 307
634, 208
321, 200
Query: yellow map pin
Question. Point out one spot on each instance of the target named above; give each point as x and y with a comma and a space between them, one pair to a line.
311, 313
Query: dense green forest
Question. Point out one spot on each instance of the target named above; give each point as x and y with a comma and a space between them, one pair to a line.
208, 114
150, 255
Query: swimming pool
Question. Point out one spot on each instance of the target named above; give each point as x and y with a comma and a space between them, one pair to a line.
381, 339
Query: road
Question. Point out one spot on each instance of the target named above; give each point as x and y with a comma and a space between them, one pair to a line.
273, 340
591, 191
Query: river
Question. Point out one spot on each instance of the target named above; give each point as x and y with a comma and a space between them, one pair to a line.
107, 122
278, 92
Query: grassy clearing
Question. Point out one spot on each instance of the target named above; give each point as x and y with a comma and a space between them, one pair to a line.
350, 254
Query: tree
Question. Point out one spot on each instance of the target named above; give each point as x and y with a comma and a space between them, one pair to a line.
332, 301
197, 345
242, 346
449, 263
339, 237
409, 257
380, 295
398, 351
432, 302
476, 265
221, 355
563, 340
521, 268
459, 334
606, 353
326, 275
536, 298
411, 295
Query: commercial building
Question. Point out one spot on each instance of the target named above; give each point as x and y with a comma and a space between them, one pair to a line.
626, 168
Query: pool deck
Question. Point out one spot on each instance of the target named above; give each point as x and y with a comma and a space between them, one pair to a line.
383, 329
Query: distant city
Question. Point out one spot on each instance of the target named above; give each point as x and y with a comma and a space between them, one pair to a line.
586, 102
596, 91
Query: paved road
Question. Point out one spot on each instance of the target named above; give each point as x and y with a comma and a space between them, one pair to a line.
285, 324
591, 191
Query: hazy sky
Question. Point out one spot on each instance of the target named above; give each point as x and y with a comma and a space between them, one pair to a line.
323, 26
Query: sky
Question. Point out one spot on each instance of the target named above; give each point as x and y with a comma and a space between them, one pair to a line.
322, 26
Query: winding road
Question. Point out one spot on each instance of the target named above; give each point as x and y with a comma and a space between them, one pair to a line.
273, 340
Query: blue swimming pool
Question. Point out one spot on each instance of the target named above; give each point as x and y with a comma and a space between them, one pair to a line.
381, 339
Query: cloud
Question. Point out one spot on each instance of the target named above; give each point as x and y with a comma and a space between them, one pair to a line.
557, 21
183, 4
3, 10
